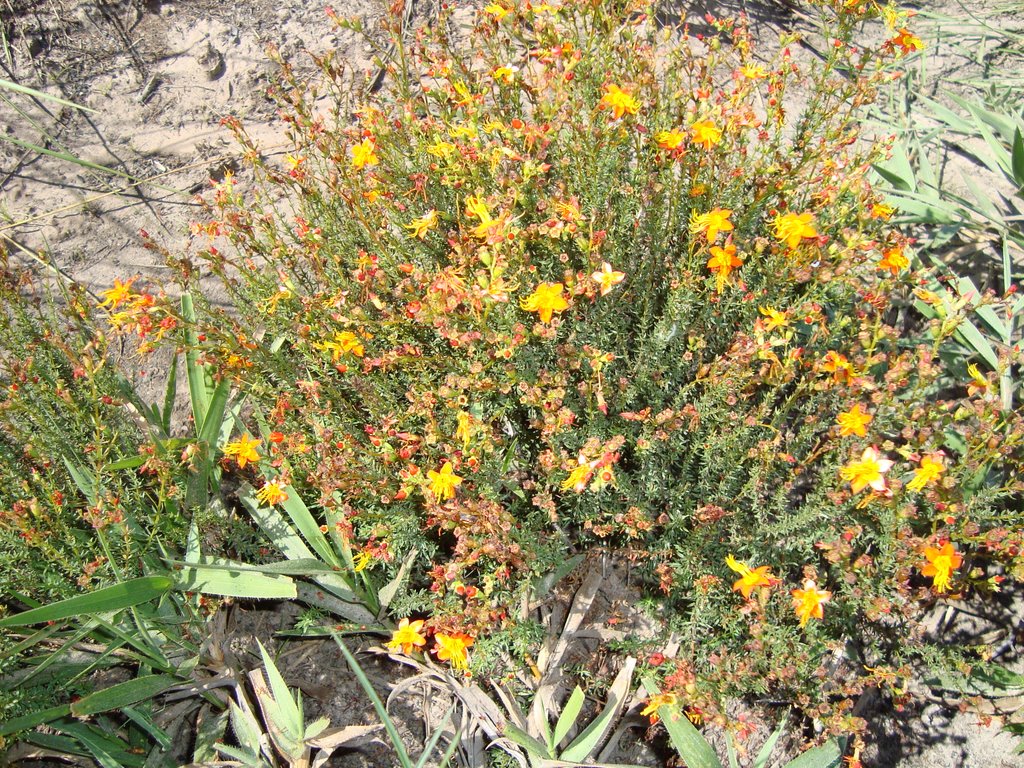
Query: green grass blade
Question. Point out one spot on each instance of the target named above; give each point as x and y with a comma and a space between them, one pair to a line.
65, 156
594, 734
122, 695
435, 737
567, 719
33, 719
113, 598
378, 705
692, 747
7, 85
307, 525
286, 703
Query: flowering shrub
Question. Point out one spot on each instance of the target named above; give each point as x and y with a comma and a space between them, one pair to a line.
586, 281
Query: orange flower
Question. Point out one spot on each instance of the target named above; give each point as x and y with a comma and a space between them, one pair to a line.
750, 578
791, 228
868, 471
706, 134
444, 483
711, 223
453, 649
364, 154
722, 262
854, 422
808, 602
545, 300
407, 637
906, 41
243, 449
619, 101
837, 364
929, 471
345, 343
607, 278
894, 260
941, 563
579, 476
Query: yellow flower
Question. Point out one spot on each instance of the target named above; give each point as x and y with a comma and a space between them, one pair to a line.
506, 74
775, 319
706, 133
243, 449
444, 483
753, 71
453, 649
807, 602
711, 223
868, 471
345, 343
791, 228
577, 479
931, 469
607, 278
464, 428
670, 139
882, 211
498, 11
118, 295
750, 578
361, 560
477, 208
271, 493
407, 637
942, 562
546, 299
656, 702
722, 262
364, 154
854, 422
442, 149
894, 260
619, 101
419, 227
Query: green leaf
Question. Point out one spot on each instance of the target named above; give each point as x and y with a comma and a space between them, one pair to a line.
897, 181
31, 720
1017, 157
389, 590
526, 741
122, 695
308, 526
113, 598
7, 85
692, 747
210, 730
229, 583
594, 734
378, 705
828, 755
282, 697
765, 753
567, 719
199, 380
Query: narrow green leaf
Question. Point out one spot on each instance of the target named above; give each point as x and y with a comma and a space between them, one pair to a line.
765, 753
122, 695
7, 85
274, 525
282, 696
113, 598
828, 755
31, 720
687, 740
435, 737
65, 156
145, 722
170, 395
567, 719
84, 481
199, 380
378, 705
211, 729
587, 743
389, 590
976, 340
526, 741
897, 181
307, 525
1017, 157
254, 586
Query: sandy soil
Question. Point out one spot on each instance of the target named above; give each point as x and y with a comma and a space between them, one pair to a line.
160, 75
